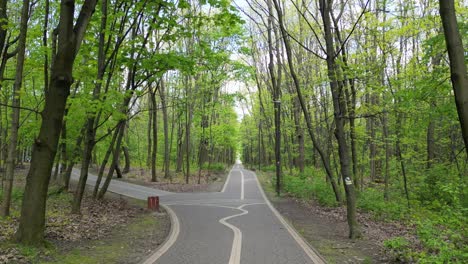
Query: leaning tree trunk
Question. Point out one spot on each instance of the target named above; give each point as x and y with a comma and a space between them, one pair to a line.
15, 114
115, 160
456, 54
45, 145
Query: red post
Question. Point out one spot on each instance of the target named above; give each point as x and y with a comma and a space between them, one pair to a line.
153, 203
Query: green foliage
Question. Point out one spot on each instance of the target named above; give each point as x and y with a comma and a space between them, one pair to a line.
217, 167
310, 185
440, 188
371, 200
399, 247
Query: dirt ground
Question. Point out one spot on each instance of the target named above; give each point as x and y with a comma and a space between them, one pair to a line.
209, 181
326, 230
115, 224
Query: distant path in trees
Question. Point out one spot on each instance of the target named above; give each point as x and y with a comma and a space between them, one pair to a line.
236, 225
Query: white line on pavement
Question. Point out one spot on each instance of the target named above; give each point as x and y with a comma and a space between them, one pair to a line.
175, 229
227, 180
242, 186
237, 241
314, 256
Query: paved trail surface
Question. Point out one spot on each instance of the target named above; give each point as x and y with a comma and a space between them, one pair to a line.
236, 225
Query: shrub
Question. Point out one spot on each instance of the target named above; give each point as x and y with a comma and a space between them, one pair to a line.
372, 200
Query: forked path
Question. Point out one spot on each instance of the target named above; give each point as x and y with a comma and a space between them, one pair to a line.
236, 225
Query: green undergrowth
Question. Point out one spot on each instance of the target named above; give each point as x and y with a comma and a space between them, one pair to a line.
437, 214
215, 167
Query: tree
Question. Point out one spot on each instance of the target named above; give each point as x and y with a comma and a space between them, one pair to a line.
15, 114
458, 72
70, 36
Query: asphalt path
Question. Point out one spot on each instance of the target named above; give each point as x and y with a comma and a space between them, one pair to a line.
236, 225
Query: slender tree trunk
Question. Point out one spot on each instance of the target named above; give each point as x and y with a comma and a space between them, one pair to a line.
126, 153
15, 113
66, 174
104, 162
90, 135
325, 159
155, 137
148, 131
386, 138
339, 107
115, 160
180, 135
167, 155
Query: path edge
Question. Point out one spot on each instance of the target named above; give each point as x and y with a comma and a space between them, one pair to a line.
227, 180
313, 253
170, 240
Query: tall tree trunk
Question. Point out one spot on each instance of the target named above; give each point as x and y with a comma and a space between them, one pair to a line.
458, 72
305, 111
115, 160
167, 155
90, 135
155, 137
180, 140
66, 174
15, 113
126, 153
45, 146
339, 106
386, 138
430, 144
104, 162
148, 131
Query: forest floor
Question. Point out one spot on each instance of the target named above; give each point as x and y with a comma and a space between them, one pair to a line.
326, 229
114, 230
210, 181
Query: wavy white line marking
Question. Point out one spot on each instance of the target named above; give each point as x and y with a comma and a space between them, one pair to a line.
237, 241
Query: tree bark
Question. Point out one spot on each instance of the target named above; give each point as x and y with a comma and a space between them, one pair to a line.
167, 156
154, 151
458, 72
15, 113
339, 106
90, 135
115, 160
45, 146
126, 153
104, 162
305, 111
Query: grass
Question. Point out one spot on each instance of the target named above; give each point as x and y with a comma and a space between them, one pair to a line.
437, 212
109, 250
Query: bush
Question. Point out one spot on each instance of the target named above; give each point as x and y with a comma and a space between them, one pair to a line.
399, 247
372, 200
306, 186
439, 188
218, 167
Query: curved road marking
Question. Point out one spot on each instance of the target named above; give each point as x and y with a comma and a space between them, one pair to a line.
175, 230
314, 256
237, 241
